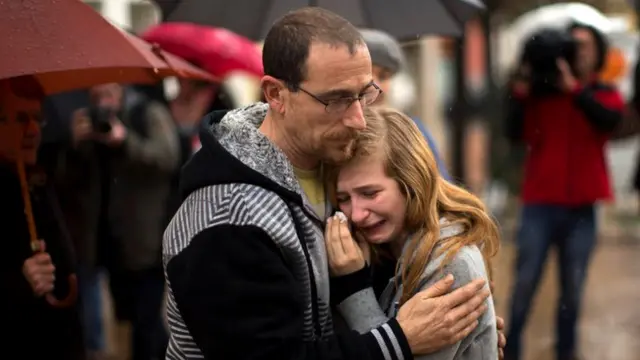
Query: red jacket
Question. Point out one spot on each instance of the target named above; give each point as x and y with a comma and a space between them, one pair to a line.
566, 136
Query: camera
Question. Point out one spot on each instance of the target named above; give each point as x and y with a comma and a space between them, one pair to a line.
541, 52
100, 118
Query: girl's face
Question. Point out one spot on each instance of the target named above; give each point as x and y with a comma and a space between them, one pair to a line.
371, 200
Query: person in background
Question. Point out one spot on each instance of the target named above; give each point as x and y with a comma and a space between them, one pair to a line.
115, 180
36, 328
57, 111
633, 124
195, 99
388, 60
565, 176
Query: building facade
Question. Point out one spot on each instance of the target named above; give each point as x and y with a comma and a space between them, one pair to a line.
134, 15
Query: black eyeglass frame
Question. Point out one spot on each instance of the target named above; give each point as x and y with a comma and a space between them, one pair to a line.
344, 103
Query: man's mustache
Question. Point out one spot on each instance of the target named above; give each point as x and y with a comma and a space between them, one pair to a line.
343, 136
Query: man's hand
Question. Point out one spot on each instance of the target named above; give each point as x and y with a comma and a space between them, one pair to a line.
502, 340
81, 128
116, 136
40, 272
568, 82
433, 319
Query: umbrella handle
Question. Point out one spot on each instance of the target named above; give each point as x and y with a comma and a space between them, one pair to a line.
71, 297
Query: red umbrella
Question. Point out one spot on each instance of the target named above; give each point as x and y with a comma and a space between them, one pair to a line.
51, 46
65, 45
216, 50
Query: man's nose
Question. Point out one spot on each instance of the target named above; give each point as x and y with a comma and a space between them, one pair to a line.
354, 117
31, 128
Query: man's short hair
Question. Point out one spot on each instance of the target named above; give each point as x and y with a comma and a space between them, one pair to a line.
286, 47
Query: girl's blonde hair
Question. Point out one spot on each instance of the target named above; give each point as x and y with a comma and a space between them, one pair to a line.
411, 163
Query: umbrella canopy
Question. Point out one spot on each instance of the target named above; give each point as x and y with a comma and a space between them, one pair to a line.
65, 44
50, 46
217, 50
559, 16
402, 19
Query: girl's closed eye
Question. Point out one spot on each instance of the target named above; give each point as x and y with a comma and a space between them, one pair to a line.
342, 199
370, 194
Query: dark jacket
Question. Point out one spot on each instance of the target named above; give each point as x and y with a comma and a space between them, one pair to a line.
245, 260
36, 330
566, 136
117, 198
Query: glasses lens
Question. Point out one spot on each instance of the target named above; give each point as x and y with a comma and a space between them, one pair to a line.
369, 97
339, 106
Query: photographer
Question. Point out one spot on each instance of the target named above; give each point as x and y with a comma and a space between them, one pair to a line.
115, 180
565, 126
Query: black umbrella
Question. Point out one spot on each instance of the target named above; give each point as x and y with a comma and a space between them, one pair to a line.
403, 19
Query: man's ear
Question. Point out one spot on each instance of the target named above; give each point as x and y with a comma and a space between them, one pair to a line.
274, 92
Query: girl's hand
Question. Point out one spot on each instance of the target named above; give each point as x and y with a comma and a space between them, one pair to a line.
345, 256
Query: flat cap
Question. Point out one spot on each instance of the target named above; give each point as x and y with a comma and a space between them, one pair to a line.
385, 51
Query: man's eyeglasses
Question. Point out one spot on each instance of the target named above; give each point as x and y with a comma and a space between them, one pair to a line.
340, 105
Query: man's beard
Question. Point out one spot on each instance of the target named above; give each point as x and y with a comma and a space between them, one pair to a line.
337, 156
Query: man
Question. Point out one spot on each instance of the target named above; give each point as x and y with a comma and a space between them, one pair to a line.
244, 256
565, 175
388, 60
114, 181
28, 279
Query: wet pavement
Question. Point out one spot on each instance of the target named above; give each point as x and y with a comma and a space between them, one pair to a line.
610, 325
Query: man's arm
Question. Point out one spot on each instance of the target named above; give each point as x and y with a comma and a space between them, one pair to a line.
240, 301
160, 150
603, 108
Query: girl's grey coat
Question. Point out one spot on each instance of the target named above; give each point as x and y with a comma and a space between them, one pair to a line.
363, 313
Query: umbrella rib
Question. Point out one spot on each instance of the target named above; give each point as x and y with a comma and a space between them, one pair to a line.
366, 14
265, 18
451, 12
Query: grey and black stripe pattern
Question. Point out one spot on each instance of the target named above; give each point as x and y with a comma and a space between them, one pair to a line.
248, 205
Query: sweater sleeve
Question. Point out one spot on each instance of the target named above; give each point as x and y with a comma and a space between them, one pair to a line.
356, 301
160, 150
239, 300
603, 108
